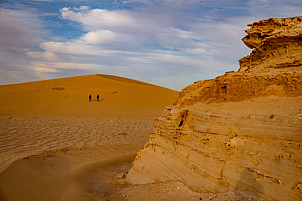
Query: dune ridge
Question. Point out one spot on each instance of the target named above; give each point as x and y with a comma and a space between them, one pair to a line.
127, 80
69, 97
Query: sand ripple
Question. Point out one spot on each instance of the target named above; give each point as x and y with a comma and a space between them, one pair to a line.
24, 136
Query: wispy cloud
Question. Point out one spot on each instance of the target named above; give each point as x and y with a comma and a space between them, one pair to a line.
19, 32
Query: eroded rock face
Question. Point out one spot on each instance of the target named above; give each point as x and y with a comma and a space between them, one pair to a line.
276, 43
242, 130
234, 87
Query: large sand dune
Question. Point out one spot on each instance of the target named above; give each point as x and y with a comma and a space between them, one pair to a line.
119, 97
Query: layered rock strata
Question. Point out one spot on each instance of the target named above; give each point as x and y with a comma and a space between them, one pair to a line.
242, 130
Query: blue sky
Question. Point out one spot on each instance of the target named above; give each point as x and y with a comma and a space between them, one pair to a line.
170, 43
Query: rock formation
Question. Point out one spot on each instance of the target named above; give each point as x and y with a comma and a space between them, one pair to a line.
242, 130
276, 43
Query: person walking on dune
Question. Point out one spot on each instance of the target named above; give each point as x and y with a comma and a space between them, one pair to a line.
98, 97
89, 97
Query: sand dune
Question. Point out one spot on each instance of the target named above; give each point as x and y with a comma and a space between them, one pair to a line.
69, 97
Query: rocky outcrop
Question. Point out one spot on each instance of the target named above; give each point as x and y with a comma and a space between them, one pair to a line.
276, 43
214, 151
242, 130
234, 87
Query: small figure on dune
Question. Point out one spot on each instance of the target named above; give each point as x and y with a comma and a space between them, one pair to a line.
89, 97
98, 97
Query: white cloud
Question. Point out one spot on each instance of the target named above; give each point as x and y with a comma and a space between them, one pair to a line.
81, 8
100, 36
92, 19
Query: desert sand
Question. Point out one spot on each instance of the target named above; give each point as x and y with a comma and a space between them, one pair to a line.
56, 145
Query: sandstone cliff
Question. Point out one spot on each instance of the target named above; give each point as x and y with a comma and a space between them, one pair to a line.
242, 130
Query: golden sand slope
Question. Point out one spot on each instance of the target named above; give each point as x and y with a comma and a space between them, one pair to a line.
69, 97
